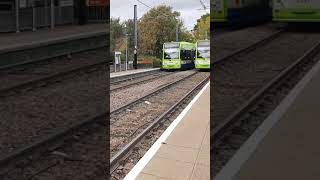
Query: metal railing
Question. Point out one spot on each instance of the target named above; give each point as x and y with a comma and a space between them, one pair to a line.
32, 18
98, 14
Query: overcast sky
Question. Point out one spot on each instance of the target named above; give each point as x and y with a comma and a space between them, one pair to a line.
189, 9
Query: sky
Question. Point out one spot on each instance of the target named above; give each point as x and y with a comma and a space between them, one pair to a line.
189, 9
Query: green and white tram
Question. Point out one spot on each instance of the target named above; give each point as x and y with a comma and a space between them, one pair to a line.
296, 10
239, 12
178, 55
203, 54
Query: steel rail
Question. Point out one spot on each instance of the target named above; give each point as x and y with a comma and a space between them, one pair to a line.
131, 78
139, 82
49, 142
51, 77
123, 152
151, 94
49, 45
61, 135
219, 130
249, 48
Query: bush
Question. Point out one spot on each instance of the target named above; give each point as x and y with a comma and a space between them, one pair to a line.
155, 61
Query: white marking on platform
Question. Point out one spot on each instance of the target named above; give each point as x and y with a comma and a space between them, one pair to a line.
136, 170
243, 154
131, 72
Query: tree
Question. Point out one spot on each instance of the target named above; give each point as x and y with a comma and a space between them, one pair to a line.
186, 35
156, 27
116, 32
202, 28
130, 31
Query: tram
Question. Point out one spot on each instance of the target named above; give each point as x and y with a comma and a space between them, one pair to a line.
178, 55
202, 60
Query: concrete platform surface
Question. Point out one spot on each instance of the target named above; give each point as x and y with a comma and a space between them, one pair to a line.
16, 40
286, 146
131, 72
185, 153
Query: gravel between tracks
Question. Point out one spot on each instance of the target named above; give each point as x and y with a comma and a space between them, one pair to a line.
83, 158
20, 74
226, 43
139, 80
129, 124
238, 79
248, 122
32, 115
120, 98
125, 126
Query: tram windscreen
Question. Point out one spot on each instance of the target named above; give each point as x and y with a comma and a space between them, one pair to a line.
203, 49
204, 52
171, 51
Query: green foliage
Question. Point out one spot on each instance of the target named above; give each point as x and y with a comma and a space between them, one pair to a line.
202, 28
157, 27
156, 63
130, 32
155, 60
116, 32
186, 36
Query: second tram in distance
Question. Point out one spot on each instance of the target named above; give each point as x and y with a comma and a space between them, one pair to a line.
202, 60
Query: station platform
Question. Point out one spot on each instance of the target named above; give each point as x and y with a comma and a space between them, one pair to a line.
43, 36
286, 145
116, 76
183, 151
28, 47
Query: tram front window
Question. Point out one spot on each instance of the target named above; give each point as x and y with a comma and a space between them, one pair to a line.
204, 52
171, 53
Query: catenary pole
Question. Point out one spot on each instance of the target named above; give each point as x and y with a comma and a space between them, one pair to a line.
52, 13
17, 16
135, 38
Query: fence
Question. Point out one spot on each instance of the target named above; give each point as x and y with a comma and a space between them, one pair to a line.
30, 18
121, 67
98, 13
37, 17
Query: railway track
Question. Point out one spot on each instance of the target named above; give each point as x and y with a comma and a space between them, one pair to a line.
29, 76
31, 52
55, 78
253, 81
129, 82
162, 88
122, 144
25, 145
130, 94
228, 42
38, 153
